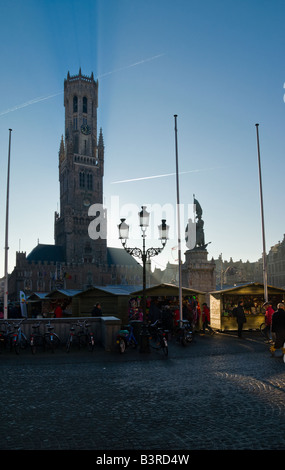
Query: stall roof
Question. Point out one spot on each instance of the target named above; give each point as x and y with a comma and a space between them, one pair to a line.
113, 290
63, 292
167, 289
37, 296
250, 288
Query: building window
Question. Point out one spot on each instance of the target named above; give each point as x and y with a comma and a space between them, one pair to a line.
75, 123
81, 179
84, 108
90, 181
75, 104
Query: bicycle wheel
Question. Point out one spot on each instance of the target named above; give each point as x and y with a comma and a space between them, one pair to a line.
262, 332
56, 341
164, 346
91, 343
82, 341
16, 346
133, 343
68, 344
122, 346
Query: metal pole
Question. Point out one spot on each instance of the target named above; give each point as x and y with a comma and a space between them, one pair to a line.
262, 222
144, 278
6, 235
178, 220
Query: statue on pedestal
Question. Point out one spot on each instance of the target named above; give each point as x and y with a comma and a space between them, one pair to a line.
200, 236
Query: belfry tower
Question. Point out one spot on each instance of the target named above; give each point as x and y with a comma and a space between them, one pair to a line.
81, 170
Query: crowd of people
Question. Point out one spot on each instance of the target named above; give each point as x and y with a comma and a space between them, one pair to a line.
274, 323
167, 311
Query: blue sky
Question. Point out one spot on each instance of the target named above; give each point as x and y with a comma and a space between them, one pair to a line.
219, 65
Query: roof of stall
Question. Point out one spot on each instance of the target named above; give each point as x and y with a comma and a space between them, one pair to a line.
167, 290
37, 296
62, 293
251, 288
113, 290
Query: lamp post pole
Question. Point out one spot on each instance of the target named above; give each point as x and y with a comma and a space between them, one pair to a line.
143, 255
6, 235
178, 219
262, 220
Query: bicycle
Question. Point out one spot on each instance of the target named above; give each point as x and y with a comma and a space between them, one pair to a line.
82, 338
51, 339
184, 334
265, 333
6, 336
158, 337
70, 338
126, 338
19, 339
36, 338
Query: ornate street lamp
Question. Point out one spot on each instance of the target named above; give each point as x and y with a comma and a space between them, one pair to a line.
144, 255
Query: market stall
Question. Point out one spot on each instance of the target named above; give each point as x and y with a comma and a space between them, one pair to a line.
223, 302
113, 300
167, 296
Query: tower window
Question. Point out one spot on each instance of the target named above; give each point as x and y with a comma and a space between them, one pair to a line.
90, 181
75, 104
82, 179
84, 108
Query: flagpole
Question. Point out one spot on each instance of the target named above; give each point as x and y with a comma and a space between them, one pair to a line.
178, 220
6, 235
262, 221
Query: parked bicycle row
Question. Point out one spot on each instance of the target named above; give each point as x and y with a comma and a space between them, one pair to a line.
44, 338
157, 334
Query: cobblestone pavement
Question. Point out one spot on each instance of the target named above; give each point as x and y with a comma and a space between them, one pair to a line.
217, 393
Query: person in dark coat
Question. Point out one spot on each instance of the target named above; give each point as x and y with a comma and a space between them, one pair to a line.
278, 326
96, 312
154, 311
240, 316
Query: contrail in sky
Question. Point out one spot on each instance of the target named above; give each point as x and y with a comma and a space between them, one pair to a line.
28, 103
159, 176
43, 98
132, 65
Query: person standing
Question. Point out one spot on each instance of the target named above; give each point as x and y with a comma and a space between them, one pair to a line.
206, 318
278, 326
58, 311
240, 316
268, 320
97, 311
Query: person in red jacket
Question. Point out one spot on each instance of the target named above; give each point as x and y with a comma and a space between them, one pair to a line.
206, 318
58, 312
268, 320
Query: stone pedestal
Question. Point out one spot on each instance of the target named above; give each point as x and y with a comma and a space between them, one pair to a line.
197, 272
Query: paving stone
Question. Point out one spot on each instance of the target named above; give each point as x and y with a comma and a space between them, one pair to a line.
217, 393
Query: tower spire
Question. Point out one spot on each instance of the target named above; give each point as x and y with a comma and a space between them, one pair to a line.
101, 140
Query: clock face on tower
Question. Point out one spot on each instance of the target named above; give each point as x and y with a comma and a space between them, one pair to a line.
86, 202
85, 129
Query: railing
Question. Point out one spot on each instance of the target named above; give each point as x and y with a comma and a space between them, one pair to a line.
103, 328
